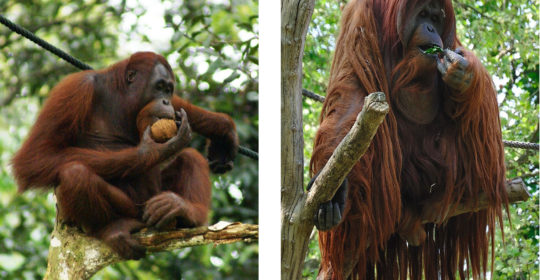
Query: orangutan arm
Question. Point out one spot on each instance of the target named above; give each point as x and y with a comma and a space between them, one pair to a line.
339, 114
218, 127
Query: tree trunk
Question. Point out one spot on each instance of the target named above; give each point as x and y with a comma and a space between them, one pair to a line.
295, 17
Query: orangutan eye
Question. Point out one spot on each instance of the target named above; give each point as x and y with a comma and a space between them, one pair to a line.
423, 14
435, 18
160, 85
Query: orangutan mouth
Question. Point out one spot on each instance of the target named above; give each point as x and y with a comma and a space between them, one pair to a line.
430, 48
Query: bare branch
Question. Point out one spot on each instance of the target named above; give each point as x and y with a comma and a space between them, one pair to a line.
348, 152
515, 188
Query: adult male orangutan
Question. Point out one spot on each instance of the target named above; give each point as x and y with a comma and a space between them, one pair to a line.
92, 143
440, 144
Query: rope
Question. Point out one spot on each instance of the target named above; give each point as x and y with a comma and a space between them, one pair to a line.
521, 145
248, 153
79, 64
507, 143
32, 37
312, 95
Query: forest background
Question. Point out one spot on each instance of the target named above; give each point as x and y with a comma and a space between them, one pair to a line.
213, 49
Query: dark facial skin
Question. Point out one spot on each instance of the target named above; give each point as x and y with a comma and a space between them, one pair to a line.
159, 91
418, 35
108, 124
160, 84
158, 94
427, 25
426, 32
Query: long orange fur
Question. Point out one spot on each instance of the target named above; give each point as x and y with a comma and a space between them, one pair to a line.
367, 54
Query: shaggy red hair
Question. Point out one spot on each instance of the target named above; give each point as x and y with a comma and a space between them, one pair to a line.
468, 160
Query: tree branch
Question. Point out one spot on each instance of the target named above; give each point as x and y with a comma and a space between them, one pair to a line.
515, 188
74, 255
348, 152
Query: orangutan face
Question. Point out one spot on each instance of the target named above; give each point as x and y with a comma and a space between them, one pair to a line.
425, 27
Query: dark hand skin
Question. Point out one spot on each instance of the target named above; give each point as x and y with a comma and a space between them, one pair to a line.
173, 145
219, 129
453, 67
118, 236
330, 213
163, 208
221, 153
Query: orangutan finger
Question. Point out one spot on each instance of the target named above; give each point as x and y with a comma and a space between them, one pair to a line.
441, 66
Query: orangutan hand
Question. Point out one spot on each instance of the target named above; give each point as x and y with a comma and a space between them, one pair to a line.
455, 70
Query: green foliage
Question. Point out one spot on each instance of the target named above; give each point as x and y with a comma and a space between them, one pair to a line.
319, 47
311, 265
504, 34
517, 256
213, 49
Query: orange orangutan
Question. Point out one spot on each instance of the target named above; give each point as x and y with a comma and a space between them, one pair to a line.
92, 143
440, 144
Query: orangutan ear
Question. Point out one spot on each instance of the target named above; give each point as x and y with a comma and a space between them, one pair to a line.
130, 76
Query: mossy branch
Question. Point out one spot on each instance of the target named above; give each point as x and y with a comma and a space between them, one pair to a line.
74, 255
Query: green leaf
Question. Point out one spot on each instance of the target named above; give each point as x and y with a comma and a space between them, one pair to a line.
434, 50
